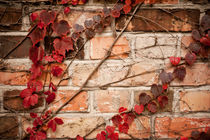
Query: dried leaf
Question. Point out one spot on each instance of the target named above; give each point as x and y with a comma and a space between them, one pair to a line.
180, 73
156, 90
190, 58
144, 98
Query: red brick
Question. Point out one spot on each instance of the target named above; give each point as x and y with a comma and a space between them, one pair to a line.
139, 129
195, 100
12, 101
10, 15
9, 127
100, 45
146, 1
197, 74
166, 127
162, 18
9, 42
110, 101
79, 103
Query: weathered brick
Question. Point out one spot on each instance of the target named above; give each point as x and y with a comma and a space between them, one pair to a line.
197, 74
199, 1
10, 15
166, 127
167, 108
7, 43
13, 101
9, 127
100, 45
195, 100
72, 127
107, 101
110, 72
163, 18
79, 103
139, 129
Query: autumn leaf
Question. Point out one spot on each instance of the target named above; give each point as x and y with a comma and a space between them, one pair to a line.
190, 58
47, 17
163, 101
165, 77
36, 54
123, 128
67, 10
33, 115
52, 125
122, 109
144, 98
139, 109
156, 90
126, 9
175, 60
128, 118
58, 121
61, 28
50, 98
37, 35
152, 107
117, 119
180, 73
62, 45
56, 71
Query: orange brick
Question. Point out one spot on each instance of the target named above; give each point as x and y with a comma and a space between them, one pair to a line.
79, 103
100, 45
195, 100
16, 78
111, 101
166, 127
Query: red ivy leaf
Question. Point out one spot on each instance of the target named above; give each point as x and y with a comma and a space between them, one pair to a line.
41, 25
110, 129
106, 12
144, 98
100, 136
62, 45
79, 138
33, 115
30, 101
75, 36
190, 58
97, 18
58, 121
89, 33
36, 54
163, 101
139, 109
127, 2
165, 77
126, 9
64, 1
50, 98
195, 47
115, 13
56, 71
180, 73
47, 17
175, 60
78, 28
74, 2
37, 35
117, 119
89, 24
123, 128
128, 118
57, 57
156, 90
52, 125
99, 27
37, 122
54, 88
26, 92
40, 136
35, 85
184, 138
67, 10
196, 35
34, 16
137, 2
165, 86
36, 71
152, 107
122, 109
61, 28
205, 41
114, 136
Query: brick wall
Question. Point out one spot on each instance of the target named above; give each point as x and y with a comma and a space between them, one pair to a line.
145, 46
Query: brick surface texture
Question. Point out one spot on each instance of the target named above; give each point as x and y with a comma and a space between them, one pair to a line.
156, 32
